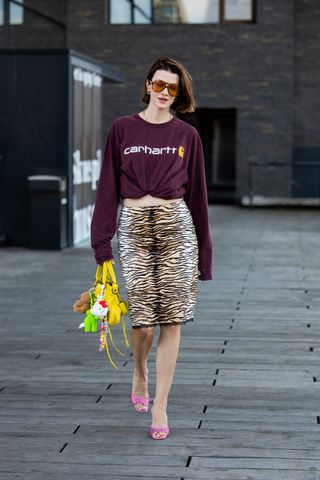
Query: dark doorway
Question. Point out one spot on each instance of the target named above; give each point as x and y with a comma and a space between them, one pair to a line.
306, 172
217, 129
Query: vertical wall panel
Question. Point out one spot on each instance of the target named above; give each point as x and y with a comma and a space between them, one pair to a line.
86, 149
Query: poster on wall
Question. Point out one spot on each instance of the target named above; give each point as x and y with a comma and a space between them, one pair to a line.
86, 149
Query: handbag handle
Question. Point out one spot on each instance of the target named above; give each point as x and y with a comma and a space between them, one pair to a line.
108, 271
98, 273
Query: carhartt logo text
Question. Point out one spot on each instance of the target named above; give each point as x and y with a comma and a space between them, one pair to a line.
149, 150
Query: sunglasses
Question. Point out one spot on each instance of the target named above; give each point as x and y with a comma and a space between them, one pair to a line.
160, 85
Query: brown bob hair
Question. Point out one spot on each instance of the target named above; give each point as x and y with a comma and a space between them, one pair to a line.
184, 102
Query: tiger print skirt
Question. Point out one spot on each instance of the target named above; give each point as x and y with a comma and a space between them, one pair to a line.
158, 254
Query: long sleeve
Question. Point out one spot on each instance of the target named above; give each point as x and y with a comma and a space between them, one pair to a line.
197, 201
104, 220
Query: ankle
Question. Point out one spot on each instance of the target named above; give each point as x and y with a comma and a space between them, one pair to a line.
159, 416
141, 371
140, 383
160, 405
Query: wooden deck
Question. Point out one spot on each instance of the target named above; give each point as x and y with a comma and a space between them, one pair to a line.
246, 398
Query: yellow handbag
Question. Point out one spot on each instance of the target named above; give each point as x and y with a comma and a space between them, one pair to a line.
106, 282
108, 305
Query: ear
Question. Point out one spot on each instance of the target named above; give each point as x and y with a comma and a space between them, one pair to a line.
148, 86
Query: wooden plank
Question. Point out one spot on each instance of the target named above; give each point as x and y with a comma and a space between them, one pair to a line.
71, 476
276, 463
115, 471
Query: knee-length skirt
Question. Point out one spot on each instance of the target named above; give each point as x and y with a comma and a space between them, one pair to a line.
158, 254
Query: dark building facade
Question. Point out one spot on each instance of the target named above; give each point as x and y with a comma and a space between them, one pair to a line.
256, 78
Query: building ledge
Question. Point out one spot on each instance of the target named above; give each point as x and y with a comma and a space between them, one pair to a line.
262, 201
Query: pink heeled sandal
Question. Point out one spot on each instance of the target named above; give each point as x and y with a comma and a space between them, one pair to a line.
135, 400
153, 430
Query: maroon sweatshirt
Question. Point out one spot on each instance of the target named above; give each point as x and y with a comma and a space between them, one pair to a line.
163, 160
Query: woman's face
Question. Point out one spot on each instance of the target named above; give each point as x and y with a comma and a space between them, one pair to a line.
162, 100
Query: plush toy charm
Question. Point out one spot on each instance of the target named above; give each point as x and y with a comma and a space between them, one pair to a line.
90, 322
83, 304
100, 309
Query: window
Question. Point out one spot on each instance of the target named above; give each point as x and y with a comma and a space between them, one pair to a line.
120, 11
142, 13
187, 11
181, 11
238, 10
14, 12
127, 11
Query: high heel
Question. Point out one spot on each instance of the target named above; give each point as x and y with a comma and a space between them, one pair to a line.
135, 400
164, 430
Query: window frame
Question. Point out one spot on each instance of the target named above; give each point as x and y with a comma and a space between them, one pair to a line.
222, 19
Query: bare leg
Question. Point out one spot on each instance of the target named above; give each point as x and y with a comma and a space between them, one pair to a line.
167, 353
141, 343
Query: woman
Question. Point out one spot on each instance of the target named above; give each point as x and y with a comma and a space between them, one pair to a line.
153, 162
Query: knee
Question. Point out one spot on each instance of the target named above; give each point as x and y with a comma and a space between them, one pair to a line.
144, 333
170, 330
